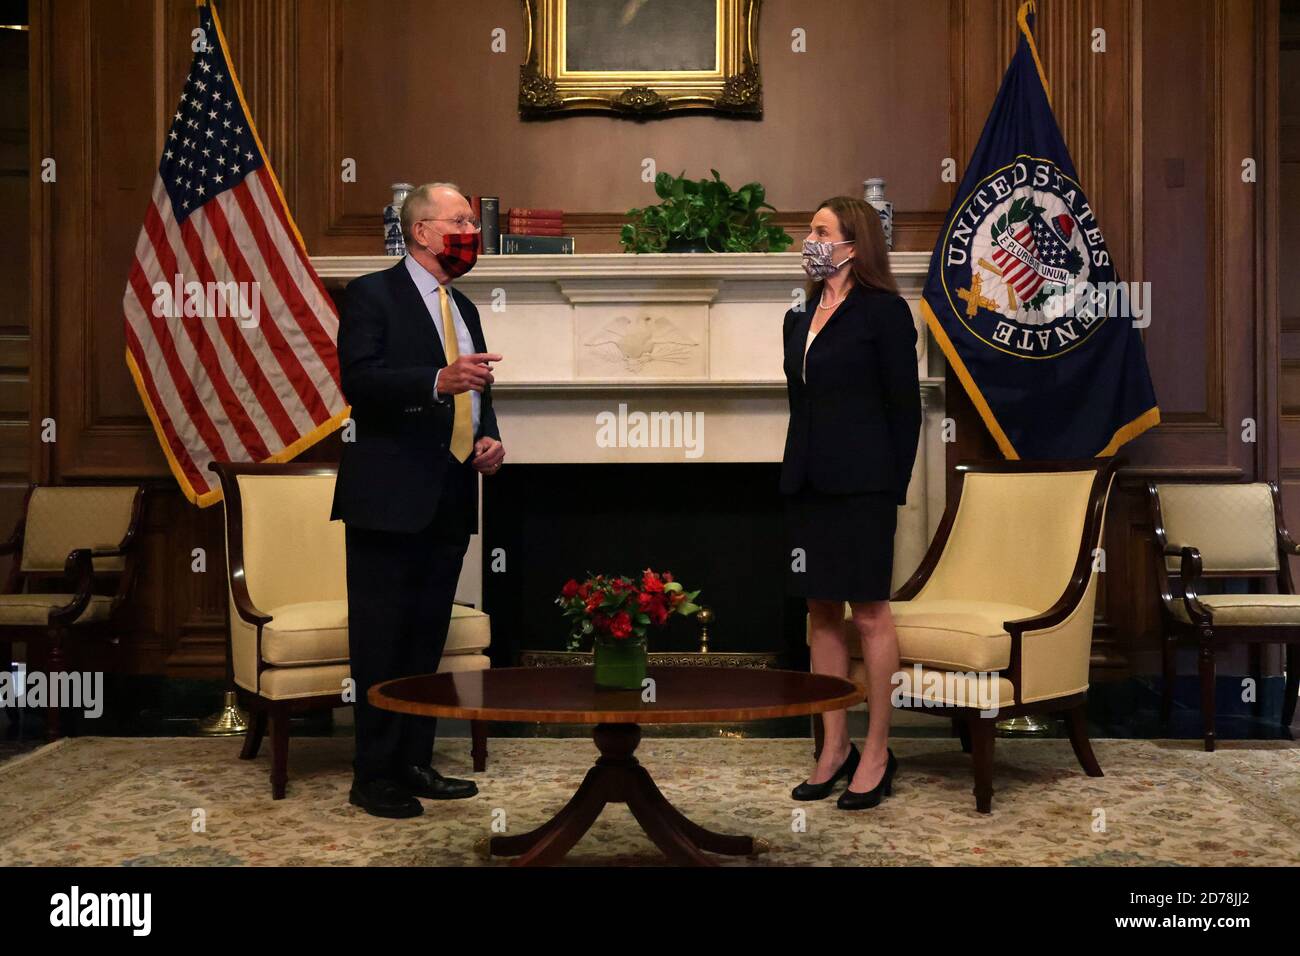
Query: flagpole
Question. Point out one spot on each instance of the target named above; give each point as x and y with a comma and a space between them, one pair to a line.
230, 719
1022, 19
226, 417
1029, 725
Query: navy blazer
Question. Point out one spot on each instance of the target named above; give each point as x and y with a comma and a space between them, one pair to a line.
390, 475
855, 424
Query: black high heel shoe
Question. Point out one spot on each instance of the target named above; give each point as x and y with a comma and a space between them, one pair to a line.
850, 799
820, 791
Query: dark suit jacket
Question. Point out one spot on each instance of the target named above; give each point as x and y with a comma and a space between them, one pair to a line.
391, 475
854, 425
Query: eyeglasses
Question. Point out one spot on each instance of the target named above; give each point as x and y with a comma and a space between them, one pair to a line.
460, 221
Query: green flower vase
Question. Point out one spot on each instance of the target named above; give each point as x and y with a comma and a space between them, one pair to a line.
620, 665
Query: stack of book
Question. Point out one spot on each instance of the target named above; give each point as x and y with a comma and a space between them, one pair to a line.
536, 222
535, 231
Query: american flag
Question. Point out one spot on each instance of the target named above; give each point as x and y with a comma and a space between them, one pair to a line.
241, 365
1037, 238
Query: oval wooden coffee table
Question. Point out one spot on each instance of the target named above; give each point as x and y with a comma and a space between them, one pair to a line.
567, 695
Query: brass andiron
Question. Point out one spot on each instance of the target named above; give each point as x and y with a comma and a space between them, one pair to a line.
705, 617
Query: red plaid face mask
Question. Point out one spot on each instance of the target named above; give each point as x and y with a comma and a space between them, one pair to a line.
459, 253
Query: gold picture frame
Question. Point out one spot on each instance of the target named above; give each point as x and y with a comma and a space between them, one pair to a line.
594, 55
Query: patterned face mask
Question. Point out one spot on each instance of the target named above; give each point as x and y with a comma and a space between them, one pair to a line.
817, 258
459, 253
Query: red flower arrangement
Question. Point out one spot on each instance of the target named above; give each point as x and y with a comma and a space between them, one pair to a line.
607, 607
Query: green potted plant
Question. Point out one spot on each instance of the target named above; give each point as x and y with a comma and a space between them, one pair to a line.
704, 215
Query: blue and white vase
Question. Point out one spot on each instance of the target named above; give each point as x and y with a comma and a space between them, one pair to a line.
875, 196
394, 245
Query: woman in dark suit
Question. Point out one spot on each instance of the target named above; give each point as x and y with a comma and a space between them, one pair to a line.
855, 417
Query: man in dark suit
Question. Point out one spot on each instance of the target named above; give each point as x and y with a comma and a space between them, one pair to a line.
415, 369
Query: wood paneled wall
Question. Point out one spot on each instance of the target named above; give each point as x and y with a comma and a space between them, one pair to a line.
1158, 125
1279, 48
15, 263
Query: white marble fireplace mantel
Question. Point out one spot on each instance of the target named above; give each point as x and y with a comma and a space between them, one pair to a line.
674, 334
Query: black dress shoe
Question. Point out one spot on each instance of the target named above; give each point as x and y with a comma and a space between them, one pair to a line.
850, 799
385, 798
820, 791
427, 782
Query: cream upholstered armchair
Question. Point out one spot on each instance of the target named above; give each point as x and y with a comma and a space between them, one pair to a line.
1223, 531
74, 563
997, 620
288, 604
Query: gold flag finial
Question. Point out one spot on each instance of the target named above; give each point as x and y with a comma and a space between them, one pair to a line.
1022, 19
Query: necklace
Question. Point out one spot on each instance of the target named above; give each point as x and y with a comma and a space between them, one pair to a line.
827, 305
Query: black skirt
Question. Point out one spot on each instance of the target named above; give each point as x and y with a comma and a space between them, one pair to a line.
847, 544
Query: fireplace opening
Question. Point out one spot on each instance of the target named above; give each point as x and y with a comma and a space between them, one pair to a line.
716, 526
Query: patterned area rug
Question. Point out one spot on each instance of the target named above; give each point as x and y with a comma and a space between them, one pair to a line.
135, 802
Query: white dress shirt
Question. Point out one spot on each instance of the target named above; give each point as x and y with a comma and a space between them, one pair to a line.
428, 286
807, 345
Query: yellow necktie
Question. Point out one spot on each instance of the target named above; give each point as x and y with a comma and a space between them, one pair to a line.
462, 430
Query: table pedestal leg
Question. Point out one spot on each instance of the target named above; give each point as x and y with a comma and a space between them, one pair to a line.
618, 777
703, 838
550, 842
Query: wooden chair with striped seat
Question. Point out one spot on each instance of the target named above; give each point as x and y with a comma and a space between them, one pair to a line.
74, 561
1205, 531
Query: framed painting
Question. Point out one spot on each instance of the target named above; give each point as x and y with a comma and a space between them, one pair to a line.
640, 57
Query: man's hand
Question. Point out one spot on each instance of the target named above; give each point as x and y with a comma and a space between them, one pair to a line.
467, 373
488, 455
